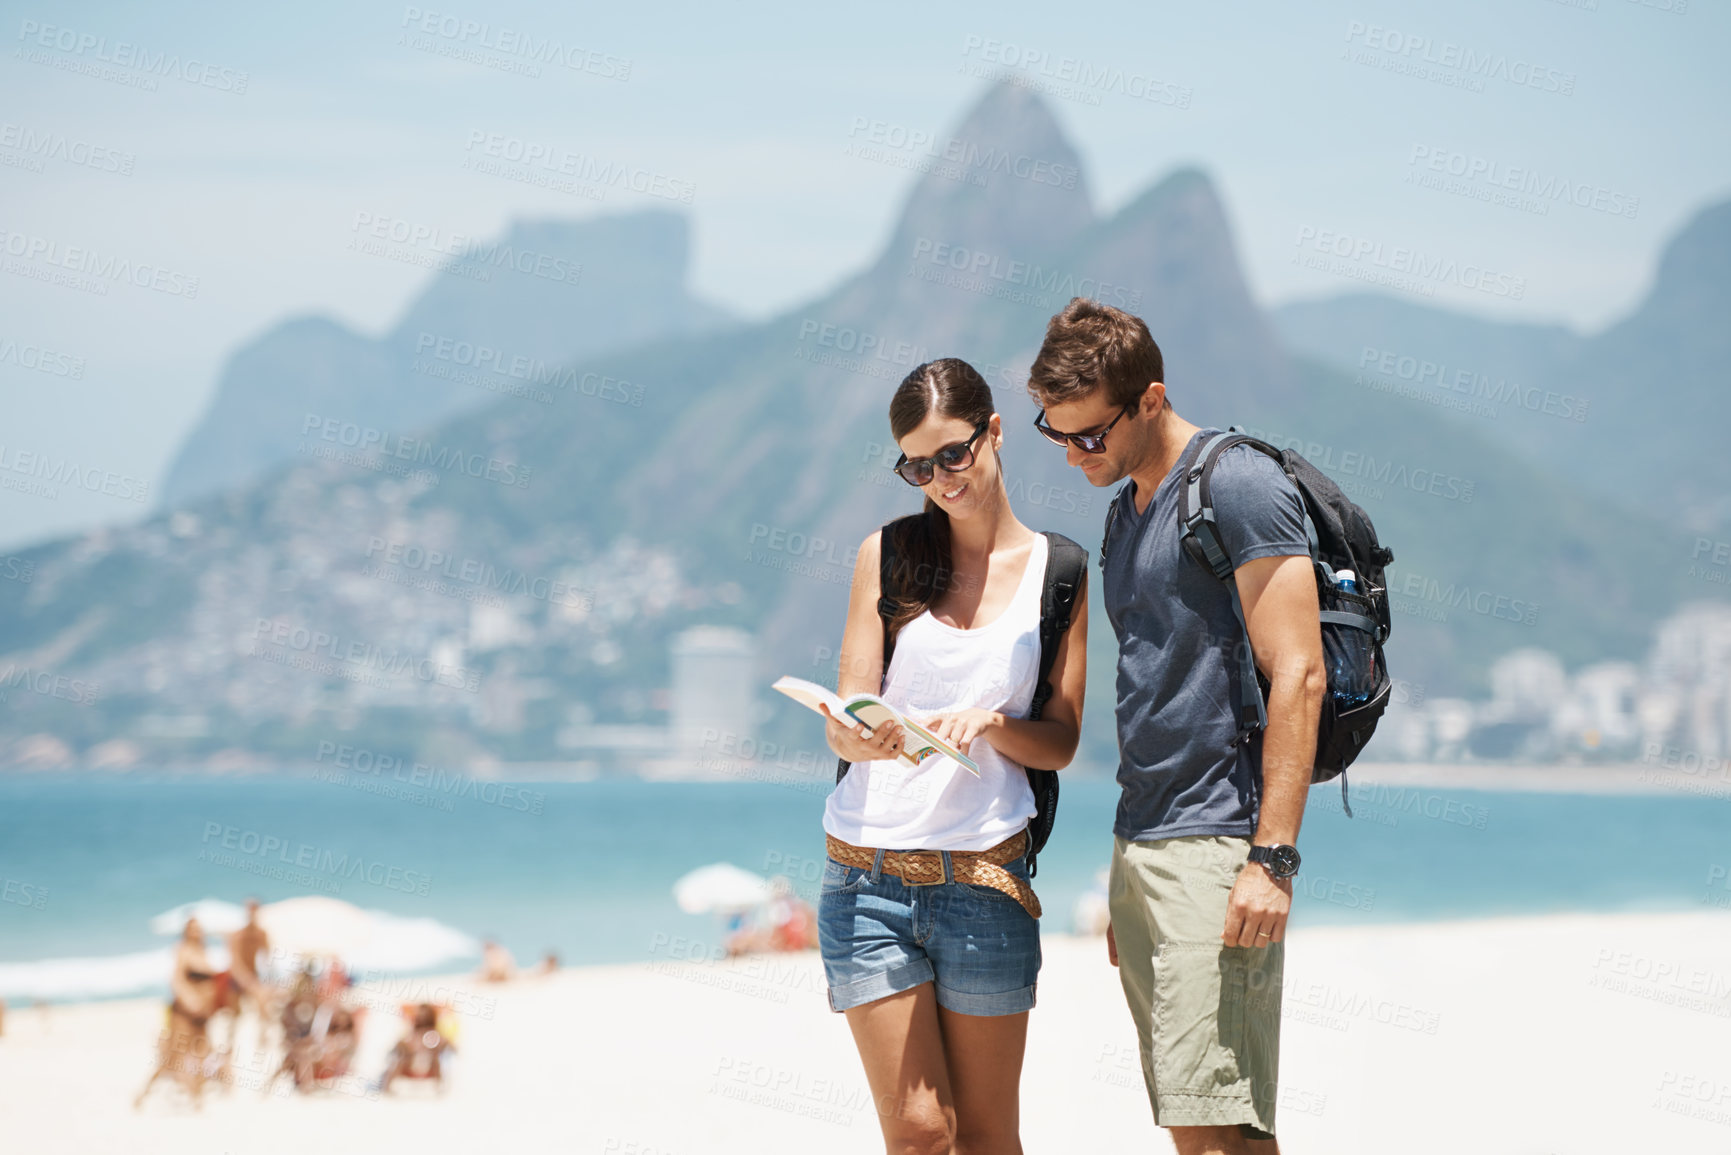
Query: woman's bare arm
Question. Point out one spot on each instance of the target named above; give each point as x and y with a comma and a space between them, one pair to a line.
862, 663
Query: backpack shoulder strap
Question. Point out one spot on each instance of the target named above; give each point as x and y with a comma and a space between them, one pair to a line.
1196, 499
1201, 540
1114, 506
1066, 565
887, 589
1066, 569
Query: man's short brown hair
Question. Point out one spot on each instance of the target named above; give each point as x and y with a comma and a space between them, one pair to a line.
1090, 345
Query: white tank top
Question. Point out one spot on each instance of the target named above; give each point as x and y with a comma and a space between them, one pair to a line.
936, 668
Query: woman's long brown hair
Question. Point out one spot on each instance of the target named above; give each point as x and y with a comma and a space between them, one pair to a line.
949, 387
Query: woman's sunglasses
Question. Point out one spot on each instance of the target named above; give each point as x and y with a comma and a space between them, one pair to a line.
1086, 442
951, 459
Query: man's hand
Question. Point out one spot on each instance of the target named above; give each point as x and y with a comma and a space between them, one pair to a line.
1256, 912
1111, 946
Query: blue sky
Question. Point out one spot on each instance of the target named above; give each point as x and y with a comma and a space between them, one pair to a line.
254, 193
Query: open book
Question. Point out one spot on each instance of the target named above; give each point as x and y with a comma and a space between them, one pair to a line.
872, 711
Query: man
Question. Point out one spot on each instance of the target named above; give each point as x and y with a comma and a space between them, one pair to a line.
1197, 916
497, 965
244, 947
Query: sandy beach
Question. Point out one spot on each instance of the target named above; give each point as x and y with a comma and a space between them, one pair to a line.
1567, 1033
1662, 775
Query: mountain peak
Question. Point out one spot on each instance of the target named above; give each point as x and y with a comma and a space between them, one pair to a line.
1171, 253
649, 242
1695, 270
1005, 177
621, 269
547, 292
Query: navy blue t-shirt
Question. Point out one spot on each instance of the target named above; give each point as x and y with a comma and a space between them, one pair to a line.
1177, 650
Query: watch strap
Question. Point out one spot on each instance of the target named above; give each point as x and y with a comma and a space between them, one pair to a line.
1266, 855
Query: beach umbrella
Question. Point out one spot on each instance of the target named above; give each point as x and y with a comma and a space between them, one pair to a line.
720, 886
316, 925
406, 944
213, 914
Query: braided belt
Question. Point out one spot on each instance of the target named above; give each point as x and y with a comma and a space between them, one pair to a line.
926, 867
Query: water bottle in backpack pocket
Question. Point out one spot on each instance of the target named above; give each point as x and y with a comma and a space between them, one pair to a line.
1348, 647
1358, 683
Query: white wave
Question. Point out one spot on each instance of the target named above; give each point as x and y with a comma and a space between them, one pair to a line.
398, 944
86, 978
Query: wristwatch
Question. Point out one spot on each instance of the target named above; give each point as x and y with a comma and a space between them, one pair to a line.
1280, 860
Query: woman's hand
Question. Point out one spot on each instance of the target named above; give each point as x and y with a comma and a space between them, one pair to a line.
963, 726
850, 742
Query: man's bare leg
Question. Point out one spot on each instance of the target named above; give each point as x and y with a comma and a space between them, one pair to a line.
1227, 1140
1220, 1141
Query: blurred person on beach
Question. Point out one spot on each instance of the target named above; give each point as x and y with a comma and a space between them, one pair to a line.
420, 1053
497, 965
926, 919
1200, 885
792, 922
197, 993
299, 1012
193, 980
548, 965
342, 1036
301, 1005
244, 947
333, 981
320, 1034
783, 923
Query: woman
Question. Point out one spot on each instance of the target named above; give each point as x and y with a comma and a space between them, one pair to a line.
197, 992
936, 980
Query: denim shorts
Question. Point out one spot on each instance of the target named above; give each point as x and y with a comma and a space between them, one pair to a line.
881, 936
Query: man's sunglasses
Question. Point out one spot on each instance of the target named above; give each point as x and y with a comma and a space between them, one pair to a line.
951, 459
1086, 442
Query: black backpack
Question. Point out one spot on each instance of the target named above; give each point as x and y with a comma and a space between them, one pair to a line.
1066, 564
1342, 537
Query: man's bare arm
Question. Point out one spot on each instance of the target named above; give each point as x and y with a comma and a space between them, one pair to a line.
1281, 615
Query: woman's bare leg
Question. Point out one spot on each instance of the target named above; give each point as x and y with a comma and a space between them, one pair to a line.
902, 1048
984, 1058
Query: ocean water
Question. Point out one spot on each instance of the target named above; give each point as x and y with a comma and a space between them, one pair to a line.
586, 869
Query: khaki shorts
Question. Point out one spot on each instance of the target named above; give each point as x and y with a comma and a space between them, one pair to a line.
1208, 1015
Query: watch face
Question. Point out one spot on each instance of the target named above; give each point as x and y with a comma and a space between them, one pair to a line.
1284, 860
